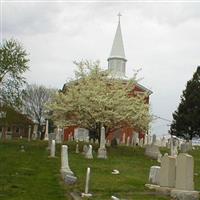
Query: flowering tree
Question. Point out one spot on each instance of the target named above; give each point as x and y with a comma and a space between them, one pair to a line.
94, 99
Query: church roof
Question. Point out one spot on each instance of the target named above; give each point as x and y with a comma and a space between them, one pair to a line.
118, 46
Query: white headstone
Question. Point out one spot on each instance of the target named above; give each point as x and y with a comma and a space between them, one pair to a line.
85, 149
152, 151
53, 148
89, 155
154, 139
46, 136
65, 169
58, 136
86, 194
184, 172
77, 148
168, 171
154, 175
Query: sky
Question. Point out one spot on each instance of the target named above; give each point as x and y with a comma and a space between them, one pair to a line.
161, 38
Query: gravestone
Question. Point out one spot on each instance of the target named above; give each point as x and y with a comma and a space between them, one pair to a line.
154, 139
85, 149
65, 169
89, 155
46, 136
152, 151
53, 148
77, 148
58, 136
102, 153
184, 172
86, 194
167, 171
154, 175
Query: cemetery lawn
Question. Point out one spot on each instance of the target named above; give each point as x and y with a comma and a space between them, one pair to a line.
32, 175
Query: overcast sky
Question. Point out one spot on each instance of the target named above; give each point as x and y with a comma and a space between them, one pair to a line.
161, 38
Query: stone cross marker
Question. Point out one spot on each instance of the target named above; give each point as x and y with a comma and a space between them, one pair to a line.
184, 172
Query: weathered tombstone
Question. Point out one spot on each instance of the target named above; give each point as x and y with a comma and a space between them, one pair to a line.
152, 151
86, 194
154, 175
70, 179
77, 148
154, 139
58, 136
167, 171
159, 158
184, 172
53, 148
65, 169
46, 136
85, 149
184, 148
89, 155
102, 153
145, 139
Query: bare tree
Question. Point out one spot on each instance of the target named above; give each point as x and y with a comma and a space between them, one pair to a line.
35, 99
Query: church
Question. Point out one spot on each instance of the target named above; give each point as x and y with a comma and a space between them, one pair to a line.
117, 67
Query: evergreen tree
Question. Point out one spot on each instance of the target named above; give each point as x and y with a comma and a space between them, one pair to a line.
186, 120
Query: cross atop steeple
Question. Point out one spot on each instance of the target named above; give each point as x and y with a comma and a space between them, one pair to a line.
117, 59
119, 15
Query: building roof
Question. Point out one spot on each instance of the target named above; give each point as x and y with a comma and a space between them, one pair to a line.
117, 50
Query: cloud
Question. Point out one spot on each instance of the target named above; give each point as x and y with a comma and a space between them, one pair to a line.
161, 38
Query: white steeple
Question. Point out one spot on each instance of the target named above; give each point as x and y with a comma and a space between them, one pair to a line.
117, 60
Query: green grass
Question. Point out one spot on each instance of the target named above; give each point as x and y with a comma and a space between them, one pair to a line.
32, 175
